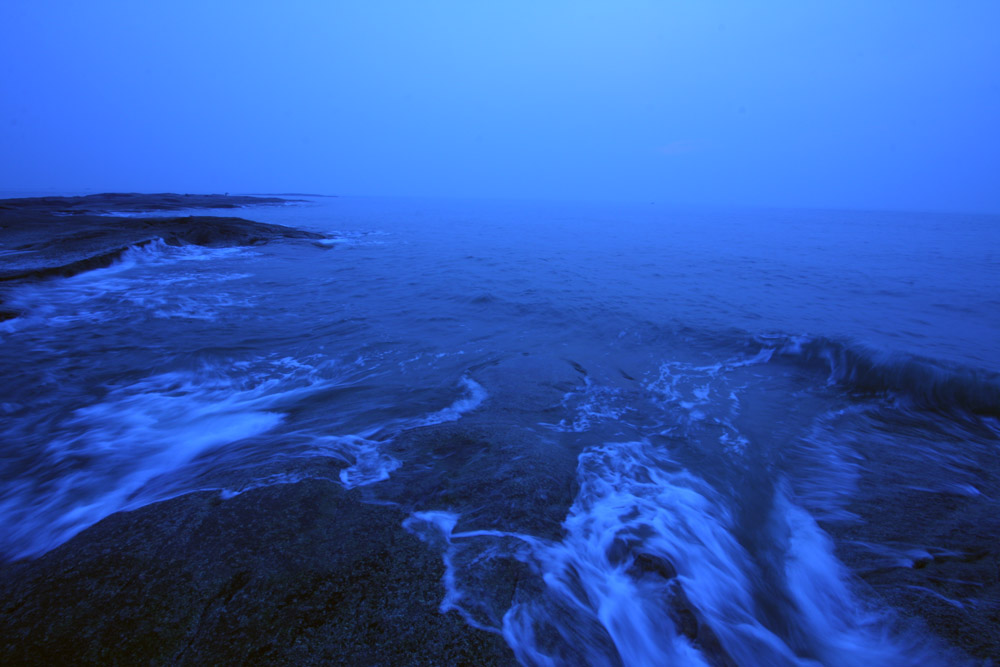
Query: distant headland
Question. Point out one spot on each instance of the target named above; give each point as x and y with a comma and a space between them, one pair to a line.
43, 237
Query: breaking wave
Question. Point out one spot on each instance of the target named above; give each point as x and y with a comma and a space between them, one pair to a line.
929, 384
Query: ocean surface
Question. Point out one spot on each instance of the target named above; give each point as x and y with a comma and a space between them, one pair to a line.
775, 431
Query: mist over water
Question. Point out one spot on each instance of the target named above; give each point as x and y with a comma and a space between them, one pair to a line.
752, 398
853, 105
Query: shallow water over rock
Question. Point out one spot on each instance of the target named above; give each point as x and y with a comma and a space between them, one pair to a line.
622, 435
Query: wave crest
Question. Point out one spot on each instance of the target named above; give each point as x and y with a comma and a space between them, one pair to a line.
929, 384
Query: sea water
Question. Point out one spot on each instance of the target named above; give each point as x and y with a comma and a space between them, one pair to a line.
768, 414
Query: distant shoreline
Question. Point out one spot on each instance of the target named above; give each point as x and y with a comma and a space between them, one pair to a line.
289, 194
45, 237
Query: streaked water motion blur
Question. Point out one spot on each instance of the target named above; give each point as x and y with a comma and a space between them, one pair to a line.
778, 418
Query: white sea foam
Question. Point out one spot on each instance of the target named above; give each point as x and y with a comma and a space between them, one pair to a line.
276, 479
475, 395
367, 463
106, 454
123, 288
591, 405
352, 238
436, 528
838, 628
646, 543
157, 252
630, 504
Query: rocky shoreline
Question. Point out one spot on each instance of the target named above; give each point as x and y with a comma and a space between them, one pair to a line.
298, 573
47, 237
302, 571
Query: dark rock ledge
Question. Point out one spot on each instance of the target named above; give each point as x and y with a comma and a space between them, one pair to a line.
46, 237
62, 236
295, 574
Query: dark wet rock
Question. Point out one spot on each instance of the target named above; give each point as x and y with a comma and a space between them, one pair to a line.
291, 574
303, 573
495, 476
61, 236
686, 619
620, 550
956, 597
130, 202
942, 575
651, 564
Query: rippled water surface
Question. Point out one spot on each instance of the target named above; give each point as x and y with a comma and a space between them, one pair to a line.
775, 432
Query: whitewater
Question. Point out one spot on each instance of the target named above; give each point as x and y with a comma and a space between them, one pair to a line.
698, 436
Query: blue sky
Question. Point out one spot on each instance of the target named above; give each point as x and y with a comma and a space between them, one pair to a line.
842, 104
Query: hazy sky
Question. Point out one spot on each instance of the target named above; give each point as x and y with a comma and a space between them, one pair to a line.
837, 103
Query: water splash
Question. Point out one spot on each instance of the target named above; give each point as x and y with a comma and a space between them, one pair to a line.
101, 457
650, 572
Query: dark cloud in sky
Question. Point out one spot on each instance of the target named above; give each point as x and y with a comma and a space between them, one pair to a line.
853, 104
